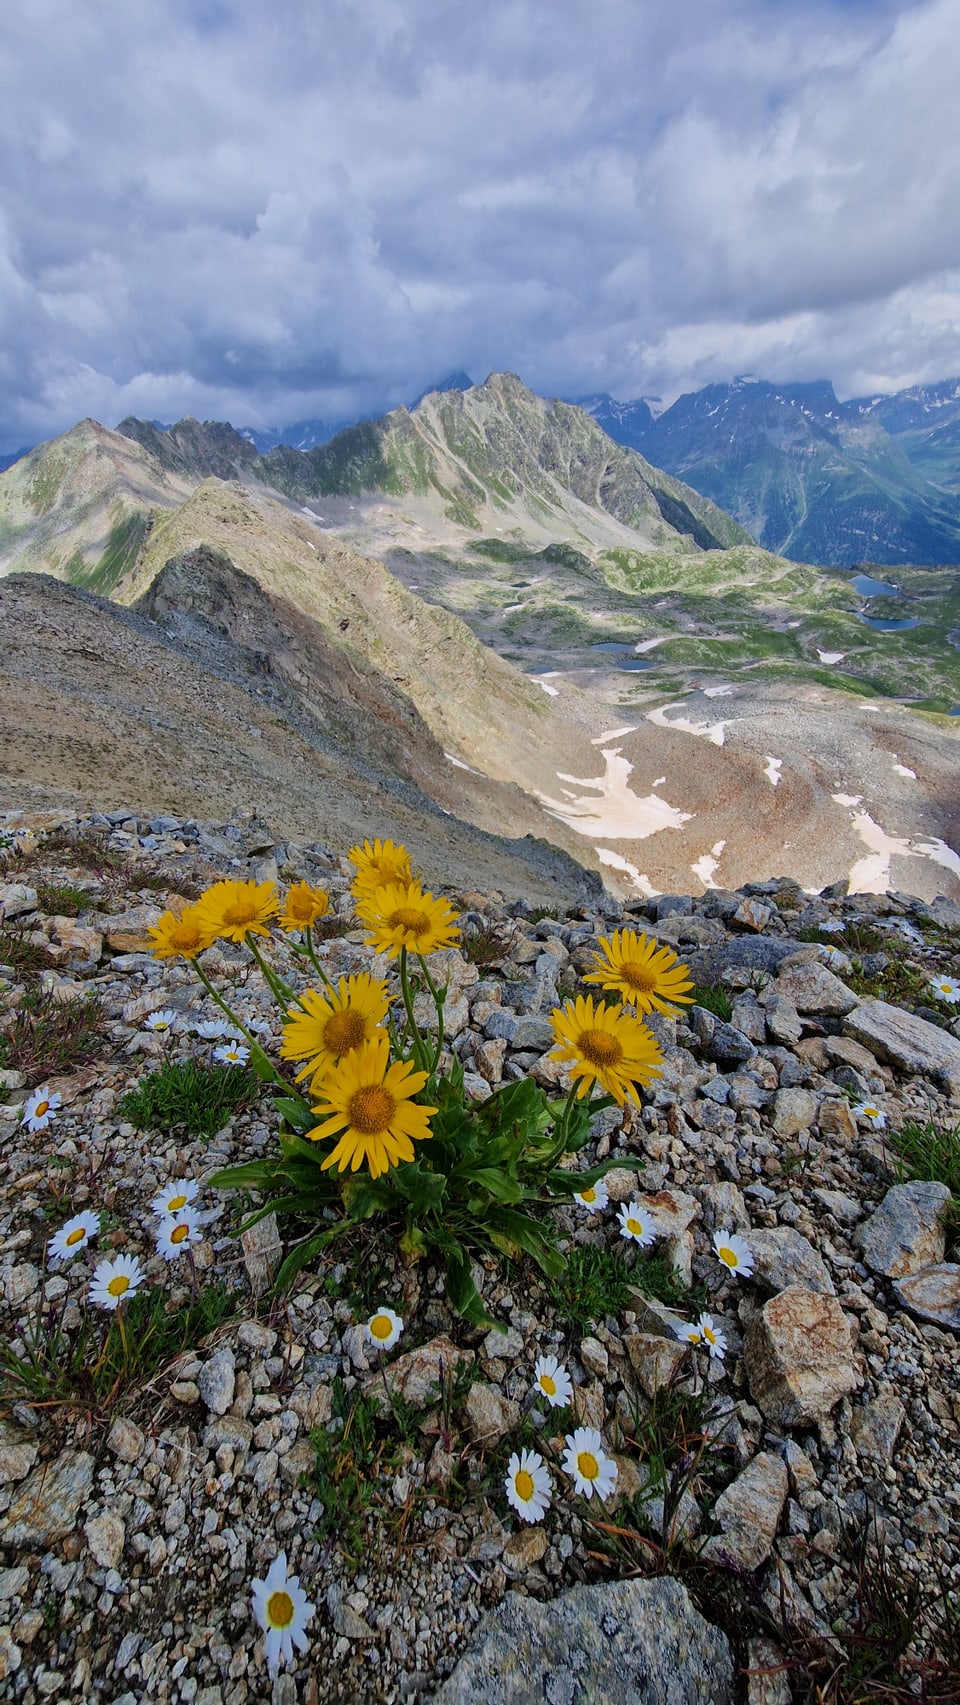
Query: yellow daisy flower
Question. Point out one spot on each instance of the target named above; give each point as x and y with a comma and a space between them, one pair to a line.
334, 1024
404, 916
305, 904
231, 909
379, 866
645, 976
607, 1046
368, 1103
180, 937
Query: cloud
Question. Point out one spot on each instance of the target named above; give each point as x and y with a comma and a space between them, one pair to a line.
267, 213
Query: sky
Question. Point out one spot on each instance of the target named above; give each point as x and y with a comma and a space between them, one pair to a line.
275, 210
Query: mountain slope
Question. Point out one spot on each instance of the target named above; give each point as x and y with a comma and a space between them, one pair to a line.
813, 479
498, 458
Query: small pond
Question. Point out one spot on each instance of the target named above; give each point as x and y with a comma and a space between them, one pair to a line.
870, 588
881, 624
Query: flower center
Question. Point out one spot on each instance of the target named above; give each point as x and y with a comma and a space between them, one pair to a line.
41, 1108
587, 1465
409, 918
524, 1485
118, 1284
371, 1109
344, 1030
635, 1227
727, 1256
76, 1237
178, 1233
548, 1384
381, 1326
176, 1203
279, 1610
600, 1048
640, 977
710, 1335
240, 911
588, 1195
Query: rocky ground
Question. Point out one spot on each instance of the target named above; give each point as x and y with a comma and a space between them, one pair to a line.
804, 1485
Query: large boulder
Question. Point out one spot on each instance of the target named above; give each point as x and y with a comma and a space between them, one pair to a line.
907, 1231
629, 1643
799, 1357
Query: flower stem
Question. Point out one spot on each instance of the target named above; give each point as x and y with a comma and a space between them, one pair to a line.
266, 1069
312, 954
281, 991
417, 1043
438, 1000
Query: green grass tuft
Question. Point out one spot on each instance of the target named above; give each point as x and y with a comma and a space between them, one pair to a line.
716, 1000
929, 1151
200, 1098
594, 1283
49, 1037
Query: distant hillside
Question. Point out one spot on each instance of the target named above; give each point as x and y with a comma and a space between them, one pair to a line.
498, 457
816, 480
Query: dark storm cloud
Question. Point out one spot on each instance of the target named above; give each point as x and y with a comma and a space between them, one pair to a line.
266, 212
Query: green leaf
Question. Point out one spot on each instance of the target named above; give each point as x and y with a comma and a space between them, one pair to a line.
566, 1182
420, 1186
296, 1112
305, 1252
462, 1293
496, 1182
255, 1175
262, 1064
509, 1227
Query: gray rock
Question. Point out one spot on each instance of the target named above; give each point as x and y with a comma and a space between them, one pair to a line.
49, 1502
16, 900
781, 1257
489, 1415
217, 1382
628, 1643
906, 1232
783, 1019
875, 1428
105, 1536
933, 1295
799, 1358
729, 1046
907, 1041
844, 1208
812, 988
533, 1032
748, 1513
794, 1110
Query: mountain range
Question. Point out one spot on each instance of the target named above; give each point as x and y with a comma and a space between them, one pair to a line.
479, 624
871, 480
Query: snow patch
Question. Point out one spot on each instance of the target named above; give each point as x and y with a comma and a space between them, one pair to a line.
617, 813
648, 644
901, 770
554, 692
772, 769
458, 764
846, 798
616, 734
642, 884
712, 731
707, 865
831, 656
718, 692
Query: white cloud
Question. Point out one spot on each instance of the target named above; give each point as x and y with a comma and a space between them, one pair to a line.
263, 213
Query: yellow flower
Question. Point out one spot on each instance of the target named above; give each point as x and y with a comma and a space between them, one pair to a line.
369, 1104
231, 909
404, 916
334, 1024
645, 976
182, 937
607, 1047
305, 904
379, 866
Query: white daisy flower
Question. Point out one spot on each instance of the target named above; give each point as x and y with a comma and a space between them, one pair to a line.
114, 1281
175, 1197
594, 1197
587, 1463
828, 952
213, 1029
39, 1108
232, 1054
946, 988
74, 1236
734, 1253
703, 1331
552, 1379
176, 1232
637, 1224
832, 926
384, 1328
527, 1485
283, 1610
161, 1021
871, 1115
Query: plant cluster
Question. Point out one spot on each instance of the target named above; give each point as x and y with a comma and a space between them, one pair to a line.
383, 1128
